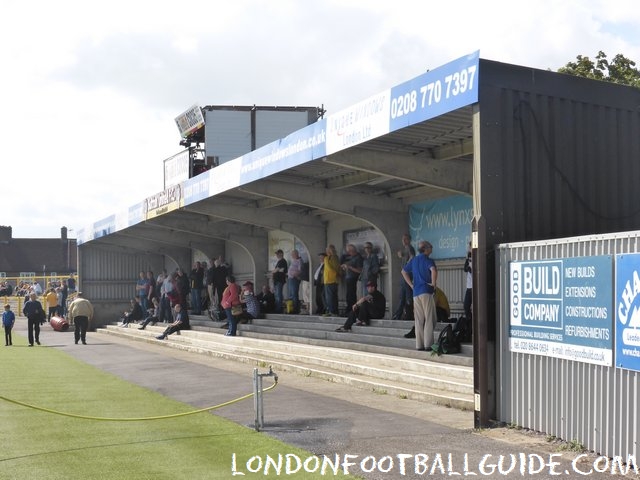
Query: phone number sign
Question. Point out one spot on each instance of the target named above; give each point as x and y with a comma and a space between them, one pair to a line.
447, 88
563, 308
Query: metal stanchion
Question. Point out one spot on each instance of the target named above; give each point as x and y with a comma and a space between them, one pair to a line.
257, 395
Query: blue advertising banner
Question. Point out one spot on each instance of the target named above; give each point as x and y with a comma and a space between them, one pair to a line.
562, 308
297, 148
434, 93
627, 305
441, 90
445, 223
197, 188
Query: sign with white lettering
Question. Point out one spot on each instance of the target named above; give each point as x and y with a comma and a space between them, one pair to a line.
627, 305
434, 93
562, 308
445, 223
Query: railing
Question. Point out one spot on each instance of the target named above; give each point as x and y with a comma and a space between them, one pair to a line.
18, 296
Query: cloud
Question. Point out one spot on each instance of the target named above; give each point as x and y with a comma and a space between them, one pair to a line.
93, 89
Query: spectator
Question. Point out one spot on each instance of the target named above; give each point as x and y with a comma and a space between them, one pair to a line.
6, 289
230, 302
152, 314
61, 310
279, 275
370, 267
293, 280
219, 276
169, 298
204, 291
35, 316
331, 277
64, 290
81, 313
251, 305
182, 283
196, 277
8, 320
71, 283
51, 299
351, 264
468, 294
36, 288
405, 305
267, 300
318, 280
135, 314
424, 276
211, 292
159, 281
305, 288
142, 290
181, 322
368, 307
151, 287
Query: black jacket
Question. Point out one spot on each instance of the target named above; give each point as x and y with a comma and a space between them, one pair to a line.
33, 310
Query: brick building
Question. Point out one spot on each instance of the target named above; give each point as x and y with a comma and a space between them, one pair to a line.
37, 257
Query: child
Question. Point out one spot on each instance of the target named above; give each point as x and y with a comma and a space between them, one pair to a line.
8, 319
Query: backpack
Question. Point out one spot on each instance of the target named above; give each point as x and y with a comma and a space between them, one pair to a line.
446, 343
462, 330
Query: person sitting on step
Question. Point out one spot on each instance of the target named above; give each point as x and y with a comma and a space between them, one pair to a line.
369, 307
153, 313
267, 300
181, 322
251, 304
133, 315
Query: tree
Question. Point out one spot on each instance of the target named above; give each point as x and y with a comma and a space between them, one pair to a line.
619, 70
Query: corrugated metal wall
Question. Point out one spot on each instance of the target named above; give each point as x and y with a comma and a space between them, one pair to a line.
452, 279
559, 154
595, 405
110, 274
555, 156
108, 278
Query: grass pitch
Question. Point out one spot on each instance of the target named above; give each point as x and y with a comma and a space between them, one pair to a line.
42, 445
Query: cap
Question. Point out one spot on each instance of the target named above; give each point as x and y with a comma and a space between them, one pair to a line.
247, 284
372, 284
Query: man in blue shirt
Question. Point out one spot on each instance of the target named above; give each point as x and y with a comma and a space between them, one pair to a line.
421, 275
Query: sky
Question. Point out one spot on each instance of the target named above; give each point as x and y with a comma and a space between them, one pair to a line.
90, 90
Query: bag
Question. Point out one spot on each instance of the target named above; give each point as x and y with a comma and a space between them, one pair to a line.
462, 330
447, 342
236, 309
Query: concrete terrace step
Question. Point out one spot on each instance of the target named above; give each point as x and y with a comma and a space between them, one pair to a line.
321, 330
423, 379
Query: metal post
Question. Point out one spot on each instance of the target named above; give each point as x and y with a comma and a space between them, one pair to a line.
258, 404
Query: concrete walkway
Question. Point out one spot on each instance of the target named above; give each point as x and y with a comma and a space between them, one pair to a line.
322, 417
